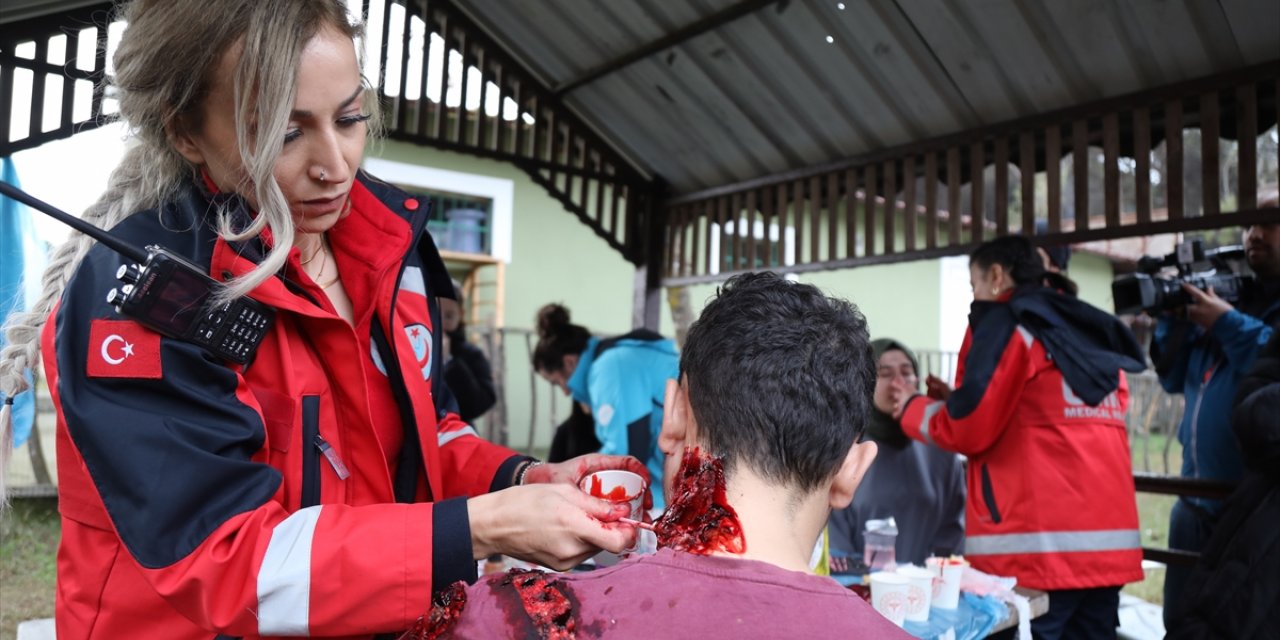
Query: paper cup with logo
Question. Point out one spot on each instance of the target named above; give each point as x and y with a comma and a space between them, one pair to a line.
889, 593
946, 590
919, 591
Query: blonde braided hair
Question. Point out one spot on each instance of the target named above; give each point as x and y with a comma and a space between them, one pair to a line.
164, 67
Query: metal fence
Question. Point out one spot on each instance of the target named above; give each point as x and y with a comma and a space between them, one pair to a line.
509, 350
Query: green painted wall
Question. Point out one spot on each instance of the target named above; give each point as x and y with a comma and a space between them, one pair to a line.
1094, 274
899, 300
554, 258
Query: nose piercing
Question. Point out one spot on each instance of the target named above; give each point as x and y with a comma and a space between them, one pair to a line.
322, 176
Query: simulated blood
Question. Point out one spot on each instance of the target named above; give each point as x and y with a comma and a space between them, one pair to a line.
699, 518
616, 494
545, 603
445, 612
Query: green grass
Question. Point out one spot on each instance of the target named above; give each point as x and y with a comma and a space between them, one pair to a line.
29, 533
1153, 511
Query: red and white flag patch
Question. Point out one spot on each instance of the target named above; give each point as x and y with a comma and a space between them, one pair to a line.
123, 349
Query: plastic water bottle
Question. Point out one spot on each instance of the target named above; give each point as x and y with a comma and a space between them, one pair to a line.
878, 542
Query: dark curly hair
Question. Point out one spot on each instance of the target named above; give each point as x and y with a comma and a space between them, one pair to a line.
780, 378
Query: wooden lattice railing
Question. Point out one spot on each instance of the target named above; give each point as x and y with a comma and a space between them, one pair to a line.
63, 59
423, 47
529, 127
906, 203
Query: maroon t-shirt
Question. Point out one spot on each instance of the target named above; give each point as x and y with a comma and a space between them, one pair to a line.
680, 595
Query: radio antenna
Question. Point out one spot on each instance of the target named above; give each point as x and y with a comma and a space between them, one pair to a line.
120, 246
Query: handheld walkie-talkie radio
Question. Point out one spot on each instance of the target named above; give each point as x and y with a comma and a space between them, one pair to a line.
165, 292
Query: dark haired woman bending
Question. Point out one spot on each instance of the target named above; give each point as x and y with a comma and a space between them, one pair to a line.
622, 381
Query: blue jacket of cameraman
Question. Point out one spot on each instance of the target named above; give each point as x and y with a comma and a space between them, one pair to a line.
1207, 370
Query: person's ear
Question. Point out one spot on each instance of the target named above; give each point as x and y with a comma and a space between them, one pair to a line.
996, 274
184, 142
676, 419
570, 364
851, 472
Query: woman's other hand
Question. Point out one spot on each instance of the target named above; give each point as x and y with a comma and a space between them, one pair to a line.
551, 524
937, 388
899, 393
574, 470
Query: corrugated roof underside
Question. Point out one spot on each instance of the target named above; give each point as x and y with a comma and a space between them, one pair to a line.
767, 92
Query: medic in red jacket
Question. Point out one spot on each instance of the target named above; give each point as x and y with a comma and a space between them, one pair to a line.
1050, 487
259, 500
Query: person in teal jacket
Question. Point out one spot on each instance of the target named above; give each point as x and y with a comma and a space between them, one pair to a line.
622, 381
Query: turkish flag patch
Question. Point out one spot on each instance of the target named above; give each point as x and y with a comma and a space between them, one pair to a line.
123, 349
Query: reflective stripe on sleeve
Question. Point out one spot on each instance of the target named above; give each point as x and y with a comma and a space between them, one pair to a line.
1053, 542
413, 282
284, 581
929, 412
445, 438
1027, 338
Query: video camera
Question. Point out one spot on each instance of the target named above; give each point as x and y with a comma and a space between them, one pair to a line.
1147, 291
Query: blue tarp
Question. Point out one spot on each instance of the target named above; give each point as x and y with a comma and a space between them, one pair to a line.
972, 619
22, 259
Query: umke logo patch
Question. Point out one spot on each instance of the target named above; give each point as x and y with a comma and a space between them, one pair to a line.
123, 349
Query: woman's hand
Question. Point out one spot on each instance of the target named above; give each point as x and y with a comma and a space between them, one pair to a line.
899, 394
937, 388
573, 471
554, 525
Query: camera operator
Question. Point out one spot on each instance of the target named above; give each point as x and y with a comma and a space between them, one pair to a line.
1202, 354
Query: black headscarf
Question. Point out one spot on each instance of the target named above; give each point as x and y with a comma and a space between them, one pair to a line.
882, 428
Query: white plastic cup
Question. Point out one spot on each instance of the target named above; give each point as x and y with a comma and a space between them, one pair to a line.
946, 590
889, 594
605, 483
919, 591
633, 487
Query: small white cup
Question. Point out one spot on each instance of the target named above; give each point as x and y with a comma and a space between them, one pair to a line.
605, 483
889, 593
946, 590
919, 591
633, 486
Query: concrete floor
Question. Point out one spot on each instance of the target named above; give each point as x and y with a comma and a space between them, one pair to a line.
1139, 619
36, 630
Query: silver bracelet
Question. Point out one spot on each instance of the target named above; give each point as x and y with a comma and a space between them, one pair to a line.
525, 469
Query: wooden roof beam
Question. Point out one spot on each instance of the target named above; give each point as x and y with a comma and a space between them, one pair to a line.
713, 21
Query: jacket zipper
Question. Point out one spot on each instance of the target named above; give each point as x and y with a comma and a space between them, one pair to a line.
331, 455
1195, 423
404, 481
316, 447
311, 455
989, 495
